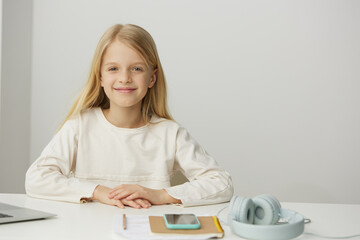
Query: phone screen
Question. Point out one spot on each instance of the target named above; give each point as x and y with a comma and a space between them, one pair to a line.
181, 218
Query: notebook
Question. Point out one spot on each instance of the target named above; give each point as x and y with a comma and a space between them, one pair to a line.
10, 213
210, 227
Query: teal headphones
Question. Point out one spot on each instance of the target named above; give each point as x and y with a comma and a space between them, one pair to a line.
258, 218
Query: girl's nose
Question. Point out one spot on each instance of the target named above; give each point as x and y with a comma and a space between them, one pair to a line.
124, 77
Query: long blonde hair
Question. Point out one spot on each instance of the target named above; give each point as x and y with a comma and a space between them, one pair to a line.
93, 95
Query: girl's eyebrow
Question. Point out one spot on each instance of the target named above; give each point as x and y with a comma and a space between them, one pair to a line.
110, 63
115, 63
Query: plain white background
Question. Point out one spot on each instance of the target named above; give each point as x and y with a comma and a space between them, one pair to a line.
16, 48
269, 88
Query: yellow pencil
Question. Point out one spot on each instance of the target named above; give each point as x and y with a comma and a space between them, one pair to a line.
217, 224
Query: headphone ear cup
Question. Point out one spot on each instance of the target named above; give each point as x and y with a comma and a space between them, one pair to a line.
242, 210
267, 210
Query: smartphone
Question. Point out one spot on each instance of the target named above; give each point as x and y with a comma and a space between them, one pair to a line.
181, 221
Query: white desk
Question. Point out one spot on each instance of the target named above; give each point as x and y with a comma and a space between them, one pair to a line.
95, 221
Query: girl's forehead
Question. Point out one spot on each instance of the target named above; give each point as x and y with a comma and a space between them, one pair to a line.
118, 51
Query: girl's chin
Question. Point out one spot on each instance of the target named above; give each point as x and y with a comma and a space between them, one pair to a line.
128, 105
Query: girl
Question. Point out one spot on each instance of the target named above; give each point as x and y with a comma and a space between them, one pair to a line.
119, 145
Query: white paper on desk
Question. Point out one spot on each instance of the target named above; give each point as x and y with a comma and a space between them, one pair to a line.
138, 228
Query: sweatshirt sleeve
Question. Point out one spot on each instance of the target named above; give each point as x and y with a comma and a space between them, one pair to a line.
50, 176
208, 183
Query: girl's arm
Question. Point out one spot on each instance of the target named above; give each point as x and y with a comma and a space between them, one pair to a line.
208, 184
50, 176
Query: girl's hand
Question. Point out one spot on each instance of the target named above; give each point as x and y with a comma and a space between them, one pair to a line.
137, 203
135, 191
101, 194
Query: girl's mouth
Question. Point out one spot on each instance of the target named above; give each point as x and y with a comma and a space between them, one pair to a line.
125, 90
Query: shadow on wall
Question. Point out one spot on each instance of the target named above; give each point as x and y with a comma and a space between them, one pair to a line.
177, 179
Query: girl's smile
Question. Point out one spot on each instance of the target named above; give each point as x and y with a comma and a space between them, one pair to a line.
125, 89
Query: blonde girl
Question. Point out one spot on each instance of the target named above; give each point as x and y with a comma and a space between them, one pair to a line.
119, 145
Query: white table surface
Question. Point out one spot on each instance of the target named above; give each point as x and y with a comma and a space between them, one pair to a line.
95, 221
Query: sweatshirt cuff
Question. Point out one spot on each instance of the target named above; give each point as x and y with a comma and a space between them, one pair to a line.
87, 192
177, 192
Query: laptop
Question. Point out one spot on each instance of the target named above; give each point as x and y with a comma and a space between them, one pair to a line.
10, 213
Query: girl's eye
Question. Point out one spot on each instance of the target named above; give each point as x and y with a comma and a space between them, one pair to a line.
113, 69
137, 69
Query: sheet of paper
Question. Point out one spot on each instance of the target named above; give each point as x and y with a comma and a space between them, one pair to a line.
138, 228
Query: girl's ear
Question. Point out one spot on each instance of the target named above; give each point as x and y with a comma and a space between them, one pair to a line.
153, 78
101, 81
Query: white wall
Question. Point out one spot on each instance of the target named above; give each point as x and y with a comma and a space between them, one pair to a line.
269, 88
15, 94
1, 16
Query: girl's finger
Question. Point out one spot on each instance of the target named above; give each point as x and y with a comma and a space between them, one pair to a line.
147, 201
131, 203
133, 196
113, 192
116, 188
119, 195
143, 203
119, 204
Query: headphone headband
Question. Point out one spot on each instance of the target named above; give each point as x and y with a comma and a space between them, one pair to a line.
293, 228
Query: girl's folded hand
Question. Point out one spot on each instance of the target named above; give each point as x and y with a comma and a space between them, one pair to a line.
101, 194
135, 191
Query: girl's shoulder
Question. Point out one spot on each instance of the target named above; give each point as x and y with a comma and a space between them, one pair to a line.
163, 123
84, 115
90, 113
156, 120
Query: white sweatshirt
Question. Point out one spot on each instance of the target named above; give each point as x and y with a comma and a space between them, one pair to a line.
89, 150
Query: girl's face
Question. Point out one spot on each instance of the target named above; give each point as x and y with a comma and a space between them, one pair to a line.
125, 76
